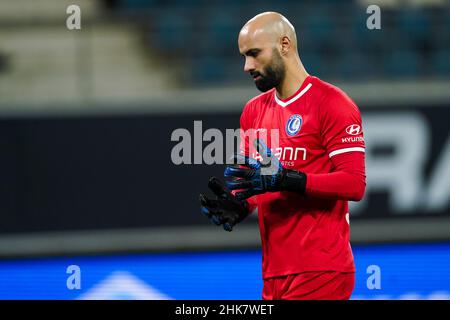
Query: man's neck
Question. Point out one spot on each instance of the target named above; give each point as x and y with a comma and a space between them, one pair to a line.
291, 83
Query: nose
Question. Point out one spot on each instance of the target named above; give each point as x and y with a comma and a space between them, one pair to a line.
249, 65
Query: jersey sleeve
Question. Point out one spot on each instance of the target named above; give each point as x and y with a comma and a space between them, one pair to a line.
346, 182
343, 140
341, 124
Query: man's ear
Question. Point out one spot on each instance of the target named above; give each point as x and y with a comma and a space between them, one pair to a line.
285, 43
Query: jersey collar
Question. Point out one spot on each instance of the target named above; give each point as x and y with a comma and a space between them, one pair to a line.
306, 85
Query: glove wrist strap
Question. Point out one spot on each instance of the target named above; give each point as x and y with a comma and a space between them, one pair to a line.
294, 181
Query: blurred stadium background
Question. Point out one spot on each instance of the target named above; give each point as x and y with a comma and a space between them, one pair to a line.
86, 118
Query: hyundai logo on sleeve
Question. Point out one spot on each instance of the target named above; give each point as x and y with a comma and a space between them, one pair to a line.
294, 125
353, 129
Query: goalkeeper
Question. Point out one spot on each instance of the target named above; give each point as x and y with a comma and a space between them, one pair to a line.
302, 186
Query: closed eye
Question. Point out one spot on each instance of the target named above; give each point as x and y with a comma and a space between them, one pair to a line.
252, 52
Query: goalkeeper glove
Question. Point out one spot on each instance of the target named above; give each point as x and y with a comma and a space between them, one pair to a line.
259, 177
225, 210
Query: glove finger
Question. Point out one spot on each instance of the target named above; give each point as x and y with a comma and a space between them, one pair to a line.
209, 206
219, 189
229, 223
216, 219
228, 227
246, 161
242, 195
207, 202
263, 150
209, 211
231, 171
239, 184
205, 211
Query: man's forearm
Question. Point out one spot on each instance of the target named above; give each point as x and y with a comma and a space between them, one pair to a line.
347, 182
336, 185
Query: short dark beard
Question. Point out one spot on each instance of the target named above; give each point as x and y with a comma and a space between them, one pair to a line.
273, 74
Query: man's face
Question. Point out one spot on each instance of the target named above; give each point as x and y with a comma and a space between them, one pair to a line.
262, 61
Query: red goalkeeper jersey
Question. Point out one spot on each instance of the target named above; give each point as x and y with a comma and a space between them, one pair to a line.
320, 134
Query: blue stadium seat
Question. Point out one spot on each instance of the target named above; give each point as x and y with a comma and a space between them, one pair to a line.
333, 38
441, 63
136, 4
319, 26
207, 69
402, 64
354, 65
413, 23
316, 64
172, 31
223, 30
443, 34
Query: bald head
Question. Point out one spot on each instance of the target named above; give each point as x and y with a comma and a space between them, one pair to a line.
271, 26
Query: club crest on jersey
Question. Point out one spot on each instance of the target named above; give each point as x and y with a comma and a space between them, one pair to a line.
293, 125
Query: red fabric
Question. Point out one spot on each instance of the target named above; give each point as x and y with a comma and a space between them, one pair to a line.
311, 232
347, 182
324, 285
